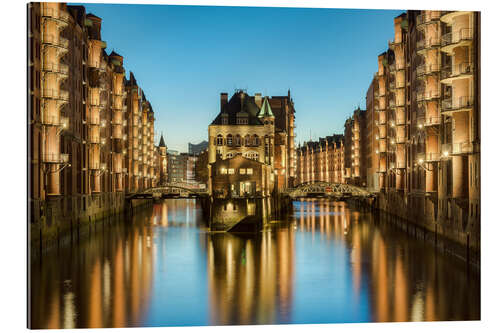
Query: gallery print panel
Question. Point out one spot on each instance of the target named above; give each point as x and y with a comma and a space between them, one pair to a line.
252, 166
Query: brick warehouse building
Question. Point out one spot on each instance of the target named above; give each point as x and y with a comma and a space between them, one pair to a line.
418, 142
91, 129
257, 128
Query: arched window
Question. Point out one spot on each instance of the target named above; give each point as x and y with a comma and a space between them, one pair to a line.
220, 140
247, 140
255, 140
229, 140
237, 140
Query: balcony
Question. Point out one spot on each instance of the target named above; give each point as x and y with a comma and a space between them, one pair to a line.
96, 102
394, 43
429, 69
51, 120
94, 139
462, 37
56, 41
432, 157
400, 102
427, 95
447, 16
94, 121
428, 18
55, 158
458, 71
61, 69
400, 65
57, 94
60, 16
400, 165
457, 104
432, 121
462, 148
427, 43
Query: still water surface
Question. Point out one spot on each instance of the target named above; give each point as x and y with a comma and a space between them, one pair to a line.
324, 263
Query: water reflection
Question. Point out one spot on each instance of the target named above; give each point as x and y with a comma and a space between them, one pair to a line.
328, 263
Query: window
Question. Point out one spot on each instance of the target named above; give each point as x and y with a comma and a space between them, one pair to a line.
229, 140
255, 140
243, 171
220, 140
249, 171
230, 171
242, 120
237, 140
223, 171
247, 140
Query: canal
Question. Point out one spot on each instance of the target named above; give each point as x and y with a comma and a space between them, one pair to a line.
323, 263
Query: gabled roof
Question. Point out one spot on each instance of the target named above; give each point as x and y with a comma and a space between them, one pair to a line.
239, 103
114, 54
265, 110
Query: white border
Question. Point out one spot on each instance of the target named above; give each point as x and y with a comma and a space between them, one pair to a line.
13, 168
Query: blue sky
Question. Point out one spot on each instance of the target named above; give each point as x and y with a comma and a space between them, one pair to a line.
185, 56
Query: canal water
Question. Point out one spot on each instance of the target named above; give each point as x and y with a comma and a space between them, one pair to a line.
323, 263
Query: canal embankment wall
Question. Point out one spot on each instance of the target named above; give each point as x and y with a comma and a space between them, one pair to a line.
424, 223
58, 227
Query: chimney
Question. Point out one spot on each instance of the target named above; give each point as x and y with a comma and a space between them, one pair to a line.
258, 99
223, 100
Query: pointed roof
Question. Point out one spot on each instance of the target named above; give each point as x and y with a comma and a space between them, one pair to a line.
162, 142
265, 110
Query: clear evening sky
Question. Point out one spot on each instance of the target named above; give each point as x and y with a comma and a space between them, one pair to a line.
185, 56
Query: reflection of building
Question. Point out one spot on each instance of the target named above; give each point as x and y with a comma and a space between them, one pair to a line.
256, 274
196, 149
91, 129
115, 293
322, 160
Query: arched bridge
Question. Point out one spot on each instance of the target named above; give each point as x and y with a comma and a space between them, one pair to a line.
170, 190
334, 190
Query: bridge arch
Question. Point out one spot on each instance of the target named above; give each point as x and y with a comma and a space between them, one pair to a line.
326, 188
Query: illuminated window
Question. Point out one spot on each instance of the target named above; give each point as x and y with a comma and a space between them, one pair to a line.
249, 171
243, 171
230, 171
223, 171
